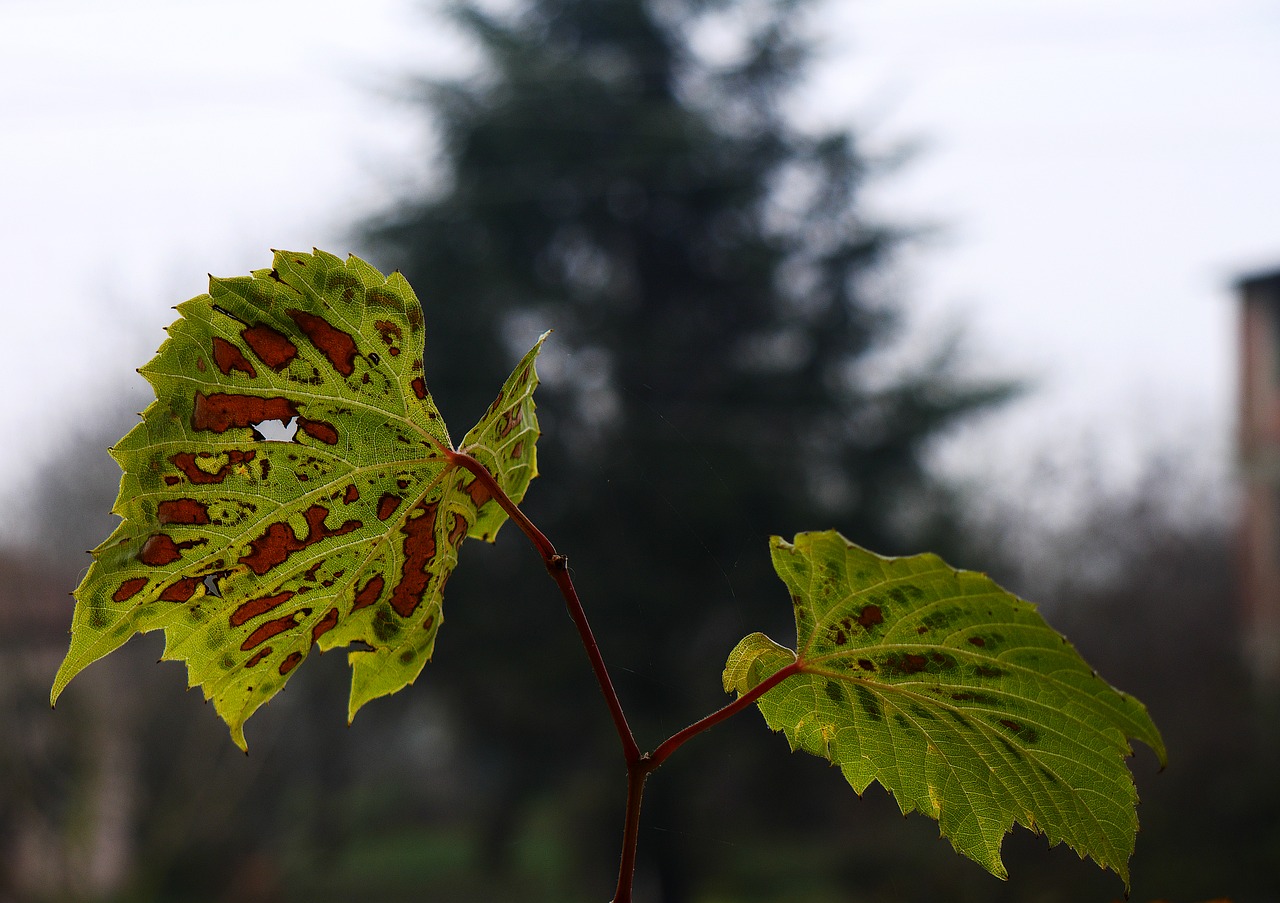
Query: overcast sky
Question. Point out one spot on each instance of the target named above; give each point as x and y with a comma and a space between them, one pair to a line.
1103, 169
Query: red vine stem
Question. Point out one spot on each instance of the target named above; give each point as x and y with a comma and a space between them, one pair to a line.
636, 778
558, 567
639, 765
649, 762
675, 741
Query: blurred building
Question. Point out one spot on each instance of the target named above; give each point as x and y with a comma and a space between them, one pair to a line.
1259, 458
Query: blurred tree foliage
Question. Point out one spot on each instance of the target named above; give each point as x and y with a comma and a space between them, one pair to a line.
710, 275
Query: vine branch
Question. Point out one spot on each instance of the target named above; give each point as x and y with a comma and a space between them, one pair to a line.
558, 567
639, 764
676, 740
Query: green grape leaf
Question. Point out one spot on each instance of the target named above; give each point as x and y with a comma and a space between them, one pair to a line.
250, 548
953, 694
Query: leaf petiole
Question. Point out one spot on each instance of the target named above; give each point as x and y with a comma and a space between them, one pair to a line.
676, 740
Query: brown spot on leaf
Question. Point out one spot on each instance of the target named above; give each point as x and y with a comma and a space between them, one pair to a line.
345, 284
182, 511
228, 357
870, 616
382, 296
221, 411
172, 480
269, 629
987, 671
254, 607
1025, 733
478, 491
318, 429
352, 494
419, 553
182, 590
459, 530
330, 341
271, 347
186, 462
159, 550
258, 656
388, 504
510, 420
290, 662
517, 450
403, 484
866, 664
129, 589
325, 624
841, 638
419, 387
389, 331
279, 542
977, 641
905, 663
369, 593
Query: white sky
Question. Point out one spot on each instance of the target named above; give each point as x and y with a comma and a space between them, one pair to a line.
1104, 169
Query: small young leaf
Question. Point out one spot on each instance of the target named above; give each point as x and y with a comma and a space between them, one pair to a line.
954, 695
250, 552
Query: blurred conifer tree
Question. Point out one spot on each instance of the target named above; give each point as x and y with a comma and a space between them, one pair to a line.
709, 272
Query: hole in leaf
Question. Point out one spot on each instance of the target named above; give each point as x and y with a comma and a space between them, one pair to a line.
211, 584
276, 430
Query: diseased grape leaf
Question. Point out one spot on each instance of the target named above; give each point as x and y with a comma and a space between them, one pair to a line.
954, 695
250, 553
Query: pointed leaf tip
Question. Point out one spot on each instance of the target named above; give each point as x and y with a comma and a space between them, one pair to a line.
505, 442
954, 695
344, 533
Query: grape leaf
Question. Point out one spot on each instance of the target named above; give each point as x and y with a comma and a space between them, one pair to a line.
249, 553
954, 695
